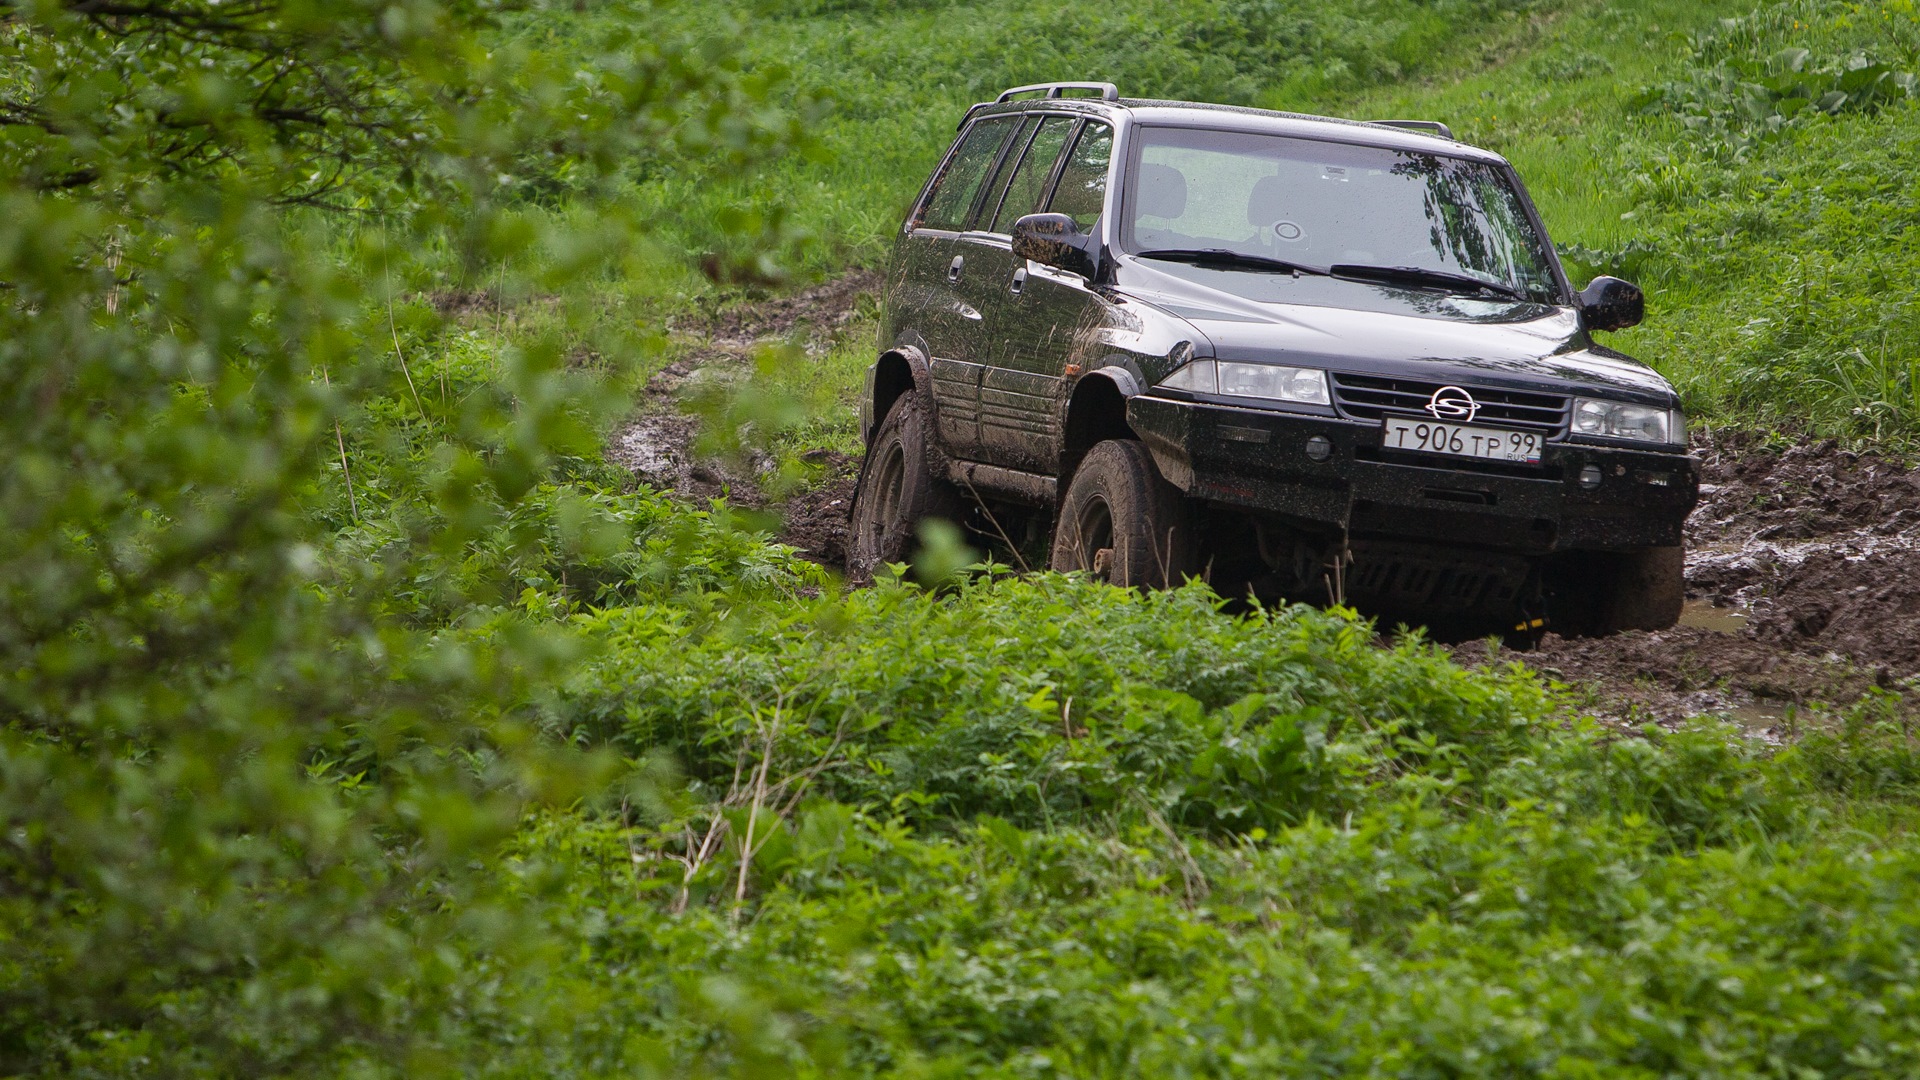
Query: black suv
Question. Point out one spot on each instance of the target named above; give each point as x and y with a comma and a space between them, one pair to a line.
1306, 358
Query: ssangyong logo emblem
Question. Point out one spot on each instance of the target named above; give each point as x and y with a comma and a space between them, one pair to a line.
1452, 403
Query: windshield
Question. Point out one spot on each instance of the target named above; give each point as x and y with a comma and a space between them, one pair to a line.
1325, 204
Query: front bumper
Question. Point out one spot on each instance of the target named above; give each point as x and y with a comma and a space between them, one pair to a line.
1257, 459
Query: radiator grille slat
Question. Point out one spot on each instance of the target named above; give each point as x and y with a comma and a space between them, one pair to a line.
1370, 397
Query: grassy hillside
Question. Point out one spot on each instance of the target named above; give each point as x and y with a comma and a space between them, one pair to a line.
1748, 164
884, 83
1743, 162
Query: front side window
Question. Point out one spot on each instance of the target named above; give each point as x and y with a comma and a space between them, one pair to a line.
1081, 193
1333, 205
953, 191
1030, 179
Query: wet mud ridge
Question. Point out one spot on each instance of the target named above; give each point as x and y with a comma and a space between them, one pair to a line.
658, 443
1803, 585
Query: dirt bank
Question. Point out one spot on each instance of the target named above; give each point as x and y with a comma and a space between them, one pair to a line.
1803, 582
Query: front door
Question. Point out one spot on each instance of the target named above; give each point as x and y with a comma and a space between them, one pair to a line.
1016, 399
1053, 316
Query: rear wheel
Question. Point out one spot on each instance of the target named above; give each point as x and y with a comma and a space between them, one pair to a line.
1603, 593
898, 489
1122, 521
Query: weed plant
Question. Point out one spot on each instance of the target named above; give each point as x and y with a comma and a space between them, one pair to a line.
1042, 827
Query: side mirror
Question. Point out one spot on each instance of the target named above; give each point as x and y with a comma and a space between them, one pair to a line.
1607, 303
1053, 239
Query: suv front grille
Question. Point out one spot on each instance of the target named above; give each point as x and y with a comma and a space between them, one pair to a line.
1369, 397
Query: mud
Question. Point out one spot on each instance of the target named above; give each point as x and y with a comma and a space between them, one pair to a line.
1803, 558
822, 312
815, 519
659, 443
1803, 583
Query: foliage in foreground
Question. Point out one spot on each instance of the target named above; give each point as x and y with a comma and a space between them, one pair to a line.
1250, 846
261, 672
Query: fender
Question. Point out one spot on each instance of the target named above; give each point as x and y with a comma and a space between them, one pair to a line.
1124, 380
1095, 409
898, 370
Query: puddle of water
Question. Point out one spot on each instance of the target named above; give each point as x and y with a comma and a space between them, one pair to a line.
1703, 615
1759, 716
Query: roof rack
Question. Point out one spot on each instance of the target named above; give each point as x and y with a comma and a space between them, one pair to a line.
1108, 91
1431, 127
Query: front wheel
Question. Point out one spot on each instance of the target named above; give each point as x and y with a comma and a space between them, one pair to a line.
898, 489
1123, 521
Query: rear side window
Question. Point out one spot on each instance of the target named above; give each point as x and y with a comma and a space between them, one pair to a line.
1010, 160
1082, 190
1030, 179
951, 196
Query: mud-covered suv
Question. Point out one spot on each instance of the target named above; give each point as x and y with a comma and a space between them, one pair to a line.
1307, 358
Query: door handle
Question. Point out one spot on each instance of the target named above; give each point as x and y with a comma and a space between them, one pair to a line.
1019, 281
958, 264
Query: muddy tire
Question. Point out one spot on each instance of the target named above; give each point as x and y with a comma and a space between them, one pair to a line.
1123, 522
899, 488
1609, 593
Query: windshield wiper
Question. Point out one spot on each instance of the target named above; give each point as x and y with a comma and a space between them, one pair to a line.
1228, 257
1416, 275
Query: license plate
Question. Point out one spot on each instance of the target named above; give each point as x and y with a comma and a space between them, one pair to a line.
1461, 440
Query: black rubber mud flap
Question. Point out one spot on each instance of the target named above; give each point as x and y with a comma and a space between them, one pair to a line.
1594, 594
1649, 589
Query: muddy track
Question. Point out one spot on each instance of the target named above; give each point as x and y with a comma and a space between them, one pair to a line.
657, 443
1803, 563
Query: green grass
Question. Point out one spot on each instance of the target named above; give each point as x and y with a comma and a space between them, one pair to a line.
1772, 253
890, 80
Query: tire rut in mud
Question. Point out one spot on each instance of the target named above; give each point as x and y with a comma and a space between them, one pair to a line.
658, 442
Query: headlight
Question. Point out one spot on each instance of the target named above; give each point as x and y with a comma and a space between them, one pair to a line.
1618, 420
1307, 386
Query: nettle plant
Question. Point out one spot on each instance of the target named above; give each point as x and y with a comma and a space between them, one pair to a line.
245, 762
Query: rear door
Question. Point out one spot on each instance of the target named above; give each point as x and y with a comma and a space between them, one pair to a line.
1015, 403
928, 274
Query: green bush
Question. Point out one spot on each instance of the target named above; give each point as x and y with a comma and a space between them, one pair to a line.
1417, 937
261, 720
1045, 702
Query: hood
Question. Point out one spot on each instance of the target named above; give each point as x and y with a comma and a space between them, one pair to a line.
1393, 331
